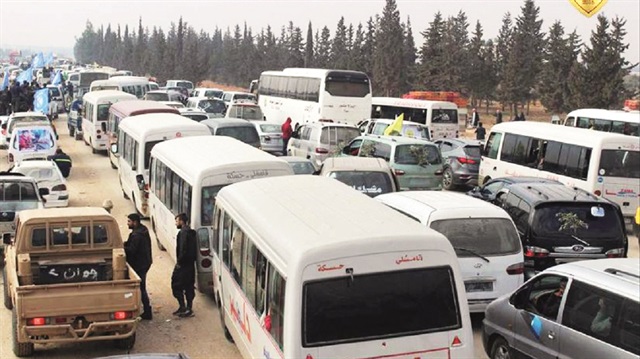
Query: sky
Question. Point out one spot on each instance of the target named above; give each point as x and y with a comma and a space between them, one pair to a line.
57, 23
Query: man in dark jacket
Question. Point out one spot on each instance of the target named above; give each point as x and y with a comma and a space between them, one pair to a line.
138, 251
184, 273
63, 161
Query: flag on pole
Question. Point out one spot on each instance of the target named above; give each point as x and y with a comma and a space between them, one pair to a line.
49, 59
57, 78
38, 61
395, 128
26, 75
5, 81
41, 101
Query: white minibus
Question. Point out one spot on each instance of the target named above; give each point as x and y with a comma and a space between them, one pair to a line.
135, 85
186, 175
136, 138
626, 123
313, 269
95, 110
602, 163
440, 116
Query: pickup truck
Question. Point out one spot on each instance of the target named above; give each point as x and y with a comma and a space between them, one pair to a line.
66, 280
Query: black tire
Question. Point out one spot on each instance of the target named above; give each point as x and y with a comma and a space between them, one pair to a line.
7, 296
126, 343
19, 349
500, 349
225, 330
155, 233
72, 131
447, 179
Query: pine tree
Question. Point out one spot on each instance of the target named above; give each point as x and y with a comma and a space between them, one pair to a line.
126, 60
455, 53
409, 57
368, 48
357, 54
431, 58
339, 49
388, 56
323, 49
504, 43
308, 48
109, 46
294, 49
490, 75
82, 50
476, 71
179, 48
140, 48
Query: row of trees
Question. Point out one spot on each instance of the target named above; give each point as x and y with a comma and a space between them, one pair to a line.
522, 64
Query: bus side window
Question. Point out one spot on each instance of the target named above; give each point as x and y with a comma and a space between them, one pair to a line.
235, 254
493, 144
226, 239
570, 121
216, 230
275, 310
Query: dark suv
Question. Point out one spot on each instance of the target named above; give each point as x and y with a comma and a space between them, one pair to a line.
559, 224
461, 162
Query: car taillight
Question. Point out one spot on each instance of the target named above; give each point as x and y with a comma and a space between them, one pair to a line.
535, 252
205, 252
37, 321
517, 268
597, 192
60, 187
466, 160
205, 263
398, 172
98, 131
615, 253
321, 150
122, 315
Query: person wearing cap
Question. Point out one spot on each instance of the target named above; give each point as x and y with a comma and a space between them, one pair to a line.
138, 251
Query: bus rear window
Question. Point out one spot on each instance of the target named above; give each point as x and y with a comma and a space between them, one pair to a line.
620, 163
444, 116
379, 305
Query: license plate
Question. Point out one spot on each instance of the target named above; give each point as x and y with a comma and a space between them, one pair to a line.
478, 286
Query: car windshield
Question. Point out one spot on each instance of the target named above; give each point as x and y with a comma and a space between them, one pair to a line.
567, 219
246, 112
370, 183
387, 304
302, 168
491, 236
54, 91
333, 135
244, 96
243, 133
472, 151
157, 96
212, 106
268, 128
213, 93
417, 154
620, 163
408, 130
26, 119
39, 174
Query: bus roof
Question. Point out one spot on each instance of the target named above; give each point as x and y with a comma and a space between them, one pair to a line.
565, 134
315, 73
96, 96
301, 215
613, 115
143, 125
128, 79
411, 103
140, 107
200, 154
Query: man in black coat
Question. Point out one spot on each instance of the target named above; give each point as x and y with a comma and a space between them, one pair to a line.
183, 277
63, 161
138, 251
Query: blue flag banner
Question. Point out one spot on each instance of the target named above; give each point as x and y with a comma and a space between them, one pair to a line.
5, 81
38, 61
41, 101
49, 59
57, 78
26, 75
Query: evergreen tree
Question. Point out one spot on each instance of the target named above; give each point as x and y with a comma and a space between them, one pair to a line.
126, 50
110, 46
339, 49
490, 76
388, 56
140, 48
358, 60
409, 57
178, 50
431, 58
156, 55
476, 71
83, 49
455, 54
323, 49
503, 48
294, 48
308, 47
368, 47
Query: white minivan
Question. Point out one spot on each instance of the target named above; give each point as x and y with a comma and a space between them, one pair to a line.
484, 237
37, 141
96, 115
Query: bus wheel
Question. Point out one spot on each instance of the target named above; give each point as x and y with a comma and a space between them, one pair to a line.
155, 233
227, 334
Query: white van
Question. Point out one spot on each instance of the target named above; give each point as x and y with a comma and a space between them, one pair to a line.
230, 97
32, 142
96, 116
483, 236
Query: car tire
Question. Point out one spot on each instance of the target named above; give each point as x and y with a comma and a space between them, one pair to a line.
447, 179
19, 349
7, 295
126, 343
500, 349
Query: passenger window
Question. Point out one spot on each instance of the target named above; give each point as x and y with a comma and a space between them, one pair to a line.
38, 237
570, 121
59, 235
275, 310
216, 231
493, 144
542, 296
236, 254
354, 147
226, 239
100, 234
630, 327
249, 272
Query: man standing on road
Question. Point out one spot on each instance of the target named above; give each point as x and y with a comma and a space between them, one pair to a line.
286, 135
480, 132
63, 161
475, 118
498, 116
138, 251
183, 277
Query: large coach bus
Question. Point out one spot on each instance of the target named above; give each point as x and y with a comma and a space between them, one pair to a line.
602, 163
313, 269
122, 110
186, 175
440, 116
311, 95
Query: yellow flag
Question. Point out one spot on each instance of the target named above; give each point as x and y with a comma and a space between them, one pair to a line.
396, 126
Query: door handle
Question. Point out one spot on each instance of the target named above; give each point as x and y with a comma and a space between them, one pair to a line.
551, 335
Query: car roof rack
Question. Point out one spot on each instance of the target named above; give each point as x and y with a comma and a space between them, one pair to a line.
622, 273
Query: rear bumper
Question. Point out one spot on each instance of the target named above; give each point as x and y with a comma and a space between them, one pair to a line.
65, 333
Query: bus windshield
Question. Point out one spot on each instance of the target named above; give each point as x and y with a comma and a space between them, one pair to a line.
379, 305
620, 163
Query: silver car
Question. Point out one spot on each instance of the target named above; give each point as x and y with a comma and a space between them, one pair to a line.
270, 136
574, 310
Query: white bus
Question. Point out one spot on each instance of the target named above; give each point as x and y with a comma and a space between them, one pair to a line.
440, 116
135, 85
95, 110
136, 138
313, 269
626, 123
605, 164
311, 95
186, 175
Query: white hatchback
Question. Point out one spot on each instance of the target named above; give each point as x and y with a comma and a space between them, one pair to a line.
483, 235
47, 175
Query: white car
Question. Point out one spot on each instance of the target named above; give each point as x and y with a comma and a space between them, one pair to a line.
47, 175
195, 114
270, 136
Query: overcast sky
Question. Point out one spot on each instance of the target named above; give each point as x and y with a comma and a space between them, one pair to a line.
56, 23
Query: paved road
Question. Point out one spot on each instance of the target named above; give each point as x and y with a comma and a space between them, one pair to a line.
92, 180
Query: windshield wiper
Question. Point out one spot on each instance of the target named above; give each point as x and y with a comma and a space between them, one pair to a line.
472, 252
581, 240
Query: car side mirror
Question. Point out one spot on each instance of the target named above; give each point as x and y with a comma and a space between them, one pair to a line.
140, 182
43, 191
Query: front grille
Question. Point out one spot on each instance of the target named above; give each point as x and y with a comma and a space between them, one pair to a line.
7, 216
